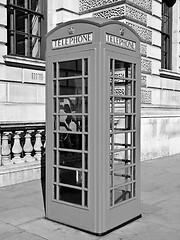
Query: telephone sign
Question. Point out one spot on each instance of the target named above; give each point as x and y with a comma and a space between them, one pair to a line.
93, 125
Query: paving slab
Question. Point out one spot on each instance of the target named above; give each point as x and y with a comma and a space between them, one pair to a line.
145, 230
24, 236
22, 215
7, 230
19, 216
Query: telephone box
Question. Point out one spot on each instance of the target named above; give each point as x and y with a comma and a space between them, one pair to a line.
93, 125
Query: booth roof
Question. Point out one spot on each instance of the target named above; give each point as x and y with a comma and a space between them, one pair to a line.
99, 22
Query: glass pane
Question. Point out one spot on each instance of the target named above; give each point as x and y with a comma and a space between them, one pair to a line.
112, 105
122, 122
111, 142
122, 140
111, 179
22, 3
34, 25
111, 157
54, 70
86, 180
86, 123
134, 189
71, 177
70, 159
70, 87
54, 191
122, 193
86, 105
86, 160
134, 173
86, 85
55, 174
134, 71
70, 123
122, 105
21, 21
85, 198
123, 69
86, 66
35, 47
122, 176
70, 141
122, 157
35, 5
122, 87
54, 87
55, 122
55, 157
111, 197
55, 140
55, 104
86, 142
21, 44
70, 105
70, 68
111, 67
70, 195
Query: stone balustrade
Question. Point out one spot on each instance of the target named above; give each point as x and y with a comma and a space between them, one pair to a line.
21, 143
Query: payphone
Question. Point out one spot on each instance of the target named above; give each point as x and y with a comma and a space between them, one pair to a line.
93, 124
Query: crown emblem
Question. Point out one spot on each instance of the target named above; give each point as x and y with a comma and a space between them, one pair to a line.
71, 29
121, 31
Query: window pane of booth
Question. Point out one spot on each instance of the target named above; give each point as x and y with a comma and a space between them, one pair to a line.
122, 176
85, 66
70, 159
70, 105
122, 122
70, 195
70, 87
70, 123
70, 68
122, 130
123, 157
123, 69
122, 140
86, 85
122, 193
70, 118
70, 177
70, 141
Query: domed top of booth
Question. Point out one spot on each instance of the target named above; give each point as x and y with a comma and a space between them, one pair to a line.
92, 30
99, 22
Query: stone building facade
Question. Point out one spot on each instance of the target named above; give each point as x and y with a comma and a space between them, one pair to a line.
160, 78
23, 25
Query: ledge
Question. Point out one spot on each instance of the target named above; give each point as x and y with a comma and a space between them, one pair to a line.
19, 173
164, 73
24, 62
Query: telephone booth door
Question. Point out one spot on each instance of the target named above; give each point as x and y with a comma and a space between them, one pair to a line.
124, 138
92, 125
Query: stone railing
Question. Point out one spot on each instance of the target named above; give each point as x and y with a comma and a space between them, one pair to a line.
22, 143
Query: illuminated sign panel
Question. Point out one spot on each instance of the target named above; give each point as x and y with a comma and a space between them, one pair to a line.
120, 42
73, 40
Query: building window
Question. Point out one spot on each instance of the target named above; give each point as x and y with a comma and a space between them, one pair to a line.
166, 37
24, 27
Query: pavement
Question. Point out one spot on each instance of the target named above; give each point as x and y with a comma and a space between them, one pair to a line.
22, 214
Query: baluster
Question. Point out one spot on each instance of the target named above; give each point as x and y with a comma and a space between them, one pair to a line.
17, 149
6, 160
28, 148
38, 146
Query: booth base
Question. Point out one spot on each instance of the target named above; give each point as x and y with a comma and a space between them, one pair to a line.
103, 233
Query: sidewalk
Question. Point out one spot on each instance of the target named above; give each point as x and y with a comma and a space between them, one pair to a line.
22, 209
